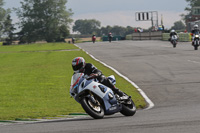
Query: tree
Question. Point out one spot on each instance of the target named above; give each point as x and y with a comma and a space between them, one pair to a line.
87, 26
192, 3
43, 20
129, 30
118, 30
8, 29
105, 30
178, 25
3, 13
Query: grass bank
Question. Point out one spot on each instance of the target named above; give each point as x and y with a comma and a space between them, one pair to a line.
37, 47
36, 84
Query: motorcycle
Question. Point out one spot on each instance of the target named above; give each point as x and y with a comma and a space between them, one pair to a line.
97, 99
195, 42
110, 38
174, 40
93, 39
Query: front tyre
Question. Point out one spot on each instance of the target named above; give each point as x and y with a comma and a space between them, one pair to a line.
128, 109
94, 109
195, 47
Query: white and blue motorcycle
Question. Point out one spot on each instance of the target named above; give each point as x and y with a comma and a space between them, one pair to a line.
97, 99
196, 41
174, 40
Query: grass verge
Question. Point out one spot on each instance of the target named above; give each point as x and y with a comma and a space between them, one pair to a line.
37, 47
36, 84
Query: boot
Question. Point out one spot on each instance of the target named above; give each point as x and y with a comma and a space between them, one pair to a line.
121, 94
116, 90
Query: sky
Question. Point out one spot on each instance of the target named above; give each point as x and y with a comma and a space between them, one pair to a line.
119, 12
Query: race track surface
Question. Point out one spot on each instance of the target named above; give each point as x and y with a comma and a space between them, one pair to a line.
169, 76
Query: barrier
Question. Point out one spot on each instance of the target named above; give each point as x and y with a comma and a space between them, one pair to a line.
145, 36
183, 37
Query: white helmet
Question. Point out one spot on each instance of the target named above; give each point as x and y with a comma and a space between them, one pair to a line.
196, 26
172, 31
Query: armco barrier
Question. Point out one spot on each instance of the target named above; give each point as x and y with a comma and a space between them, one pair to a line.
145, 36
183, 37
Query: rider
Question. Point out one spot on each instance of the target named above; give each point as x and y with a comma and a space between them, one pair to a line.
195, 31
172, 33
110, 36
79, 66
93, 37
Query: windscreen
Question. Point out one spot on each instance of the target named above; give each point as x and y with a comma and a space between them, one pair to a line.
74, 81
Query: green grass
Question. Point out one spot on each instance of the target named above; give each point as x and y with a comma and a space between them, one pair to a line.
36, 84
37, 47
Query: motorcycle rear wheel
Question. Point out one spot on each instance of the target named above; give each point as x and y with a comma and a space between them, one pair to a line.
94, 110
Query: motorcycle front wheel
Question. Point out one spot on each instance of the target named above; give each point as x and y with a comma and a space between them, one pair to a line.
195, 47
92, 107
128, 109
174, 44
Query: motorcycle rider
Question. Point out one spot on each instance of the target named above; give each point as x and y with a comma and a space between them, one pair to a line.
110, 37
195, 31
93, 38
172, 33
80, 66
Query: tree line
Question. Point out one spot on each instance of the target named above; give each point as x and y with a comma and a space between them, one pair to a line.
92, 26
47, 20
50, 20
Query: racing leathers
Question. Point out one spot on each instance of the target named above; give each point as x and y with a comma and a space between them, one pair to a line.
172, 33
193, 33
91, 71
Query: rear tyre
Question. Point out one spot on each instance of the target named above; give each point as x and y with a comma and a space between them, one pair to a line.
95, 110
129, 108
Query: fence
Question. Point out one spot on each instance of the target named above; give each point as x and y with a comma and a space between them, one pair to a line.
145, 36
183, 37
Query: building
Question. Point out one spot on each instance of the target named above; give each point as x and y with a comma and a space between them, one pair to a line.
193, 18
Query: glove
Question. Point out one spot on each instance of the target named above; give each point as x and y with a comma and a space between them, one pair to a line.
92, 76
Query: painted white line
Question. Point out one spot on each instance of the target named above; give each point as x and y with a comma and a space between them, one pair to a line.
196, 62
150, 103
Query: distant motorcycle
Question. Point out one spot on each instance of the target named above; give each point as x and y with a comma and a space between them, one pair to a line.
97, 99
174, 40
195, 42
93, 39
110, 38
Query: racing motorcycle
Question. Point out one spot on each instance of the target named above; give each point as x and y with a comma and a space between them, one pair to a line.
97, 99
93, 39
174, 40
110, 38
195, 42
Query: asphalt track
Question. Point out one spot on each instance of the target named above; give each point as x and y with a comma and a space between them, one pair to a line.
169, 76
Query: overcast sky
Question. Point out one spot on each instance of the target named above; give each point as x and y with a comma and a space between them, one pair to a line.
120, 12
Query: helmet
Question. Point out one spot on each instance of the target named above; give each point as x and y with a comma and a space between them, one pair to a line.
172, 31
78, 64
196, 26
